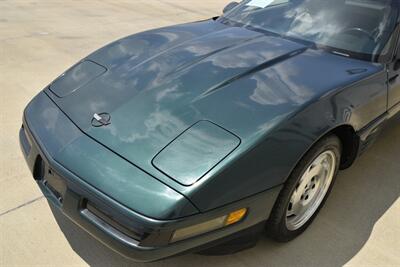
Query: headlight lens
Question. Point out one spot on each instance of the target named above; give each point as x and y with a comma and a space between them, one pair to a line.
208, 226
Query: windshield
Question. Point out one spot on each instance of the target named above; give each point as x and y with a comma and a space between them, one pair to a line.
353, 28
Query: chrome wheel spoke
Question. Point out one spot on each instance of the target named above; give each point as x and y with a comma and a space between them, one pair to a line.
294, 203
296, 208
315, 171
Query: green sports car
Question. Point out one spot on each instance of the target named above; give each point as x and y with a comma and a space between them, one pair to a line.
199, 135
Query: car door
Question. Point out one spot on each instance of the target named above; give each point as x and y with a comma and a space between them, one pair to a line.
394, 81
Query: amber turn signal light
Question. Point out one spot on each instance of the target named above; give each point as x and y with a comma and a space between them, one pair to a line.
235, 216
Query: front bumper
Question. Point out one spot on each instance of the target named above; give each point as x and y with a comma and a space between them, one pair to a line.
131, 234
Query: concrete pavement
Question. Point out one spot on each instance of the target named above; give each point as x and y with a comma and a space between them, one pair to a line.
39, 39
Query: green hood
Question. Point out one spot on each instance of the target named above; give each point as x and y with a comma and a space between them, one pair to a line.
157, 84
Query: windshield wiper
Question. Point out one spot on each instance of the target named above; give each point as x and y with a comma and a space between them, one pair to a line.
340, 53
349, 54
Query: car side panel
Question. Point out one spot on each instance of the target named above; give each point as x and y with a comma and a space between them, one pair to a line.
267, 165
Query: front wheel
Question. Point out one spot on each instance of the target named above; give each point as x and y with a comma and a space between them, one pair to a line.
305, 191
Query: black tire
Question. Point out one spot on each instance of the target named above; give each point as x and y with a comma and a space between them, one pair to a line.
276, 226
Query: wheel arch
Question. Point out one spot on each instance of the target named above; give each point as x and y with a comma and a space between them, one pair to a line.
350, 144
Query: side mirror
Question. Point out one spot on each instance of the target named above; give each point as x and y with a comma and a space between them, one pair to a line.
230, 6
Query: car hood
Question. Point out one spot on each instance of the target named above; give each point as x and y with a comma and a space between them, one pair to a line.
157, 84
